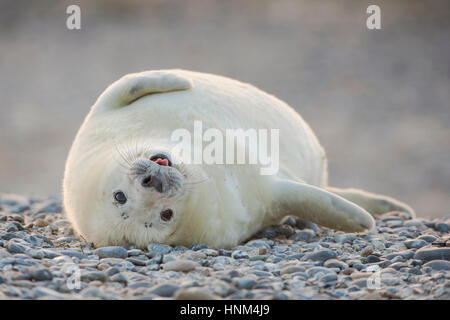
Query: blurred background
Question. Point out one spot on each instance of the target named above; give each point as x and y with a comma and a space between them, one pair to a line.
378, 100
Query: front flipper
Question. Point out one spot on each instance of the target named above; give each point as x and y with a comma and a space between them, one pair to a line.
318, 206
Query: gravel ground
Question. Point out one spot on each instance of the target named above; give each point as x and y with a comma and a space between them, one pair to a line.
41, 258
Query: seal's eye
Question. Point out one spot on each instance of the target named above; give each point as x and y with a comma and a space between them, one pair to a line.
120, 197
166, 215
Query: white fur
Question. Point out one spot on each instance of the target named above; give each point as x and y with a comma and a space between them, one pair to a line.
234, 201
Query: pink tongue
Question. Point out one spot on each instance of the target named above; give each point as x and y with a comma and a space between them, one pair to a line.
162, 162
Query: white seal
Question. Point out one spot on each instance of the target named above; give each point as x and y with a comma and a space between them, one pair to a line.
123, 184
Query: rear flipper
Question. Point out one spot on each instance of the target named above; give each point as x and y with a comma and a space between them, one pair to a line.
318, 206
374, 203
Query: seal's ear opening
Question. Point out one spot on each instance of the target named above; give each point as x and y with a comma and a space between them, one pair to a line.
134, 86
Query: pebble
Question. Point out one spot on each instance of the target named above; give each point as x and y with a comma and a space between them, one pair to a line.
155, 249
15, 248
239, 254
194, 294
303, 235
442, 227
415, 243
346, 237
111, 252
291, 269
41, 275
315, 270
367, 251
246, 282
180, 265
94, 276
429, 254
334, 263
428, 238
321, 255
164, 290
438, 265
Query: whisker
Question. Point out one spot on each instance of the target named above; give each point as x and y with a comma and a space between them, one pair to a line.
196, 182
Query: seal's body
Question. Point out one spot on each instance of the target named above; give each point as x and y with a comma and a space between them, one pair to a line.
123, 184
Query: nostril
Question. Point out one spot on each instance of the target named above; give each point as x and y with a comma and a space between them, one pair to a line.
166, 215
147, 181
153, 181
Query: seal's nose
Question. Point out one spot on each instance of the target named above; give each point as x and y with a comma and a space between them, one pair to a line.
154, 181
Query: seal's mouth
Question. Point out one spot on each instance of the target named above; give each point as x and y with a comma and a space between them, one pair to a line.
161, 159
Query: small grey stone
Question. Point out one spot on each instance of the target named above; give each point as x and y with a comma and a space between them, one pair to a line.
210, 252
438, 265
135, 252
311, 272
429, 254
329, 277
372, 259
93, 276
394, 223
442, 227
405, 254
253, 243
14, 226
155, 249
9, 236
164, 290
46, 292
155, 260
291, 269
119, 278
112, 271
35, 254
205, 263
50, 254
246, 282
140, 284
194, 293
111, 252
321, 255
428, 238
180, 265
346, 237
415, 243
303, 235
95, 293
398, 265
239, 254
367, 251
263, 274
168, 258
334, 263
41, 274
73, 253
198, 246
137, 261
15, 248
225, 253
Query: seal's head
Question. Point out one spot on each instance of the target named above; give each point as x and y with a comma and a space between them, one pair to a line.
135, 198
